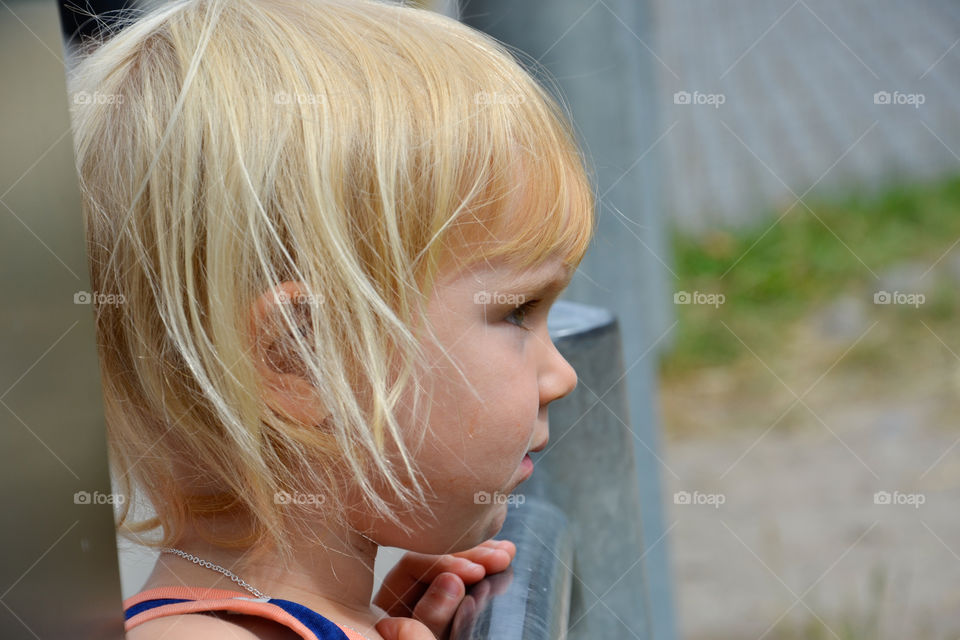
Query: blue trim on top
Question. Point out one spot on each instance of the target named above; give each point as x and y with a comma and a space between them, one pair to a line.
322, 627
146, 605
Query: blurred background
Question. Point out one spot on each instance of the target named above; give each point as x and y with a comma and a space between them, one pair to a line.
798, 193
810, 390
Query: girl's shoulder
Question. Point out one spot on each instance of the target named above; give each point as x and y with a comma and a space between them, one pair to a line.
213, 627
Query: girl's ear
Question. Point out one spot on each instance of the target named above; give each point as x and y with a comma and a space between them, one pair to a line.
284, 382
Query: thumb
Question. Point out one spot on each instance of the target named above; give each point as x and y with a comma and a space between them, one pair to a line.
403, 629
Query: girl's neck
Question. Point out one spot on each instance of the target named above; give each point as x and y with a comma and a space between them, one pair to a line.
334, 578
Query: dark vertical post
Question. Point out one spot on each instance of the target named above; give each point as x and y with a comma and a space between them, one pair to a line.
81, 19
58, 567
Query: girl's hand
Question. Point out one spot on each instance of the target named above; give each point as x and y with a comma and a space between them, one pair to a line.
413, 593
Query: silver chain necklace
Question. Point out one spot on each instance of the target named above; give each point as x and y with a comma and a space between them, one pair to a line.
216, 567
240, 581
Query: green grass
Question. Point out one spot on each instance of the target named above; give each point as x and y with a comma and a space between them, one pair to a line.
772, 275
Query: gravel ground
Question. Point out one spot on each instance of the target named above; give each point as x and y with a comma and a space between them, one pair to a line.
800, 535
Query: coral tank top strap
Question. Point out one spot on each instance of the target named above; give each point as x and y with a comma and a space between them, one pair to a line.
170, 601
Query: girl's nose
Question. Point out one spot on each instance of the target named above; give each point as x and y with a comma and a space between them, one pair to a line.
558, 377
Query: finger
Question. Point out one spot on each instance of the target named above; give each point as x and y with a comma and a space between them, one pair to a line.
493, 543
480, 594
398, 598
403, 629
502, 545
406, 582
467, 608
464, 619
494, 555
439, 604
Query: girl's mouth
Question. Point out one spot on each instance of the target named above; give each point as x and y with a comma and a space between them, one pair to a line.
527, 465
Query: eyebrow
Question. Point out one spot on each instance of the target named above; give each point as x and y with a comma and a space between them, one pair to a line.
553, 282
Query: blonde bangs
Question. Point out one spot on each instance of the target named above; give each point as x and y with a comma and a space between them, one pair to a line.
530, 196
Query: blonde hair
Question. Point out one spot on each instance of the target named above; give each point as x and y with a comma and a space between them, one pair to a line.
353, 146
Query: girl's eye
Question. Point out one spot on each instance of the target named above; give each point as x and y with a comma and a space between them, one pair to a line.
519, 315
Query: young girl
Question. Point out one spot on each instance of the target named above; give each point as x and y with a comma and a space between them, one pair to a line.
335, 229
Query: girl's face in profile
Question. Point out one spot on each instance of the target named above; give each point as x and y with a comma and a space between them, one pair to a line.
492, 321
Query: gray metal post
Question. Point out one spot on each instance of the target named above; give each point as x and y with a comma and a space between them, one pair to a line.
58, 564
589, 471
529, 600
597, 53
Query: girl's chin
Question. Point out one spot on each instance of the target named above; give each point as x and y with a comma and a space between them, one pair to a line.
499, 513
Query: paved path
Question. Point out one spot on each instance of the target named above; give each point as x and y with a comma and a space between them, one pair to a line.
797, 80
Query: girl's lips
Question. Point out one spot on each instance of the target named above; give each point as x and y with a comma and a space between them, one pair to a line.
527, 465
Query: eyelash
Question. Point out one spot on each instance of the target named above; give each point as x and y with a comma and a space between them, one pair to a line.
523, 309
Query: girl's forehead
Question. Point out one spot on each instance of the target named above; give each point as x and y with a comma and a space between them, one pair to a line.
551, 274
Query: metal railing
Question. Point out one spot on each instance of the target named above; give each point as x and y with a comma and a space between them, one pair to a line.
531, 599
